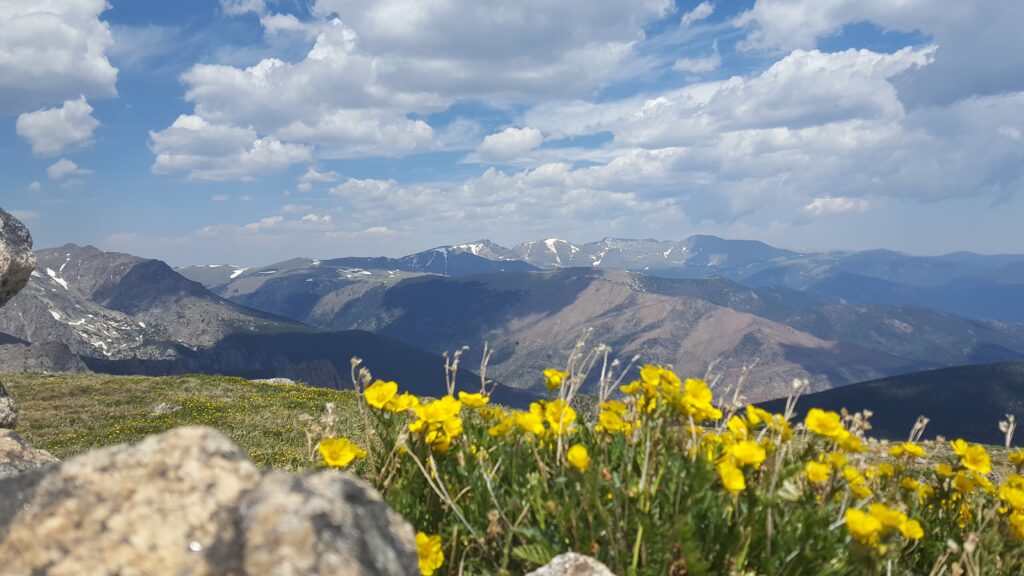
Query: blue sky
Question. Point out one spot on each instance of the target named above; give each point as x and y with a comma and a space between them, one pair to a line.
248, 131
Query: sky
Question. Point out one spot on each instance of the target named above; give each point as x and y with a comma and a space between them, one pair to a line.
250, 131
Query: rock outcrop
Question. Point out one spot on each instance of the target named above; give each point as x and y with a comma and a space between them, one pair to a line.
572, 564
189, 501
17, 457
8, 411
16, 258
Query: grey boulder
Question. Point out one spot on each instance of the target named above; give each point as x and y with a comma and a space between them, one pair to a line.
16, 258
572, 564
189, 501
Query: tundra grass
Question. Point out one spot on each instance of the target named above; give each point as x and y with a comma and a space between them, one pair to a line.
67, 414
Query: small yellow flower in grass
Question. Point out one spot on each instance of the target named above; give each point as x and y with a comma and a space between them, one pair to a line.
908, 449
959, 446
975, 458
611, 422
1016, 522
1012, 495
503, 427
431, 557
863, 527
578, 457
817, 472
823, 423
732, 477
1016, 457
380, 393
738, 427
887, 516
963, 483
402, 402
747, 453
944, 470
339, 452
560, 416
532, 421
553, 378
473, 400
911, 529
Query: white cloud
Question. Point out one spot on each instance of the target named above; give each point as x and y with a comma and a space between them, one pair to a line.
264, 224
317, 219
699, 64
293, 208
51, 51
975, 57
509, 144
829, 205
700, 12
314, 175
220, 198
304, 187
376, 64
209, 151
63, 168
35, 186
51, 130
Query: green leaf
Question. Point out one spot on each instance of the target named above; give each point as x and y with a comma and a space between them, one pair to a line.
537, 554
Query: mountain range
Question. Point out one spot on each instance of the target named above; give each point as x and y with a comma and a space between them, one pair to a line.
533, 317
85, 309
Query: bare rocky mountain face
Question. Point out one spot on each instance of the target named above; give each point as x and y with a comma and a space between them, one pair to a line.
85, 309
966, 284
533, 319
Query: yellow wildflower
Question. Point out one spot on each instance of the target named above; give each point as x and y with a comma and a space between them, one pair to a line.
757, 415
380, 393
1016, 457
553, 378
532, 421
911, 529
963, 483
732, 477
431, 556
959, 446
817, 472
402, 402
1012, 495
473, 400
560, 416
908, 449
975, 458
339, 452
944, 470
747, 453
503, 427
737, 426
863, 527
611, 422
578, 457
1016, 521
823, 423
887, 516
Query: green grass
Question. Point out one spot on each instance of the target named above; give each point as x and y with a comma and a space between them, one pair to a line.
67, 414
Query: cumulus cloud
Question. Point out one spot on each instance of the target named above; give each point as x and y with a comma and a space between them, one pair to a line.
52, 51
207, 151
374, 66
264, 224
51, 130
63, 168
973, 36
313, 175
701, 12
293, 208
829, 205
35, 186
509, 144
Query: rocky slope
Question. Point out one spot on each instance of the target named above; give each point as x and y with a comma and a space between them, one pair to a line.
533, 319
85, 309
